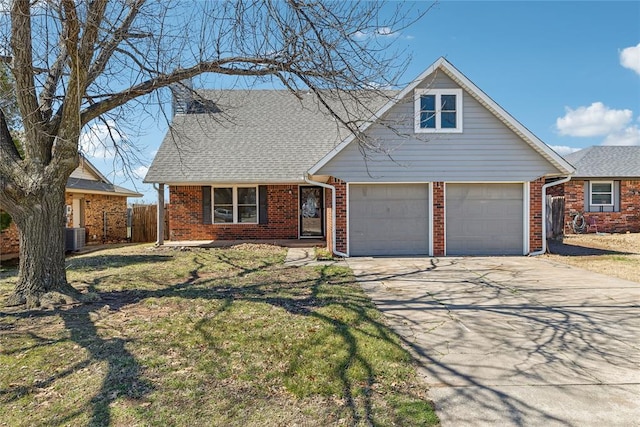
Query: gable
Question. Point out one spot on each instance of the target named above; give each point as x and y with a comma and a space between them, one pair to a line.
491, 146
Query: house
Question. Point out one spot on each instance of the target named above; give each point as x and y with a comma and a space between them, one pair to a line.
438, 168
605, 188
96, 211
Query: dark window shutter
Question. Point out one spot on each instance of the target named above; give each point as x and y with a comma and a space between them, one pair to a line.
587, 197
616, 196
262, 191
206, 204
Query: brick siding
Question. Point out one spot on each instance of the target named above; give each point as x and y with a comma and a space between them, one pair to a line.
114, 206
341, 214
627, 220
438, 219
186, 221
535, 215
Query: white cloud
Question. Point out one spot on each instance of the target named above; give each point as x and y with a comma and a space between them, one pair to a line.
140, 172
630, 58
628, 136
378, 32
98, 141
594, 120
564, 149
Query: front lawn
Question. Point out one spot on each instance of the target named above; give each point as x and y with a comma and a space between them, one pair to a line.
616, 255
206, 337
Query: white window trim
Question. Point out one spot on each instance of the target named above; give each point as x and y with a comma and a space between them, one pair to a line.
591, 193
235, 204
438, 93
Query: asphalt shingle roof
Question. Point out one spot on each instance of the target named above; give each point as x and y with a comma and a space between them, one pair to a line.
99, 186
257, 136
606, 162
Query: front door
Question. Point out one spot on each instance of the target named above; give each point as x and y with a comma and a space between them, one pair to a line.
311, 212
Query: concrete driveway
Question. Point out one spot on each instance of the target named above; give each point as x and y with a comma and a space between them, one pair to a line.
515, 340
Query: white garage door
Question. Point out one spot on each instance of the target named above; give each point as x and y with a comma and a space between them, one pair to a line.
388, 219
484, 219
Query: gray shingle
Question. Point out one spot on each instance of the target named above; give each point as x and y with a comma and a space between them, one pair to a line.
258, 136
606, 162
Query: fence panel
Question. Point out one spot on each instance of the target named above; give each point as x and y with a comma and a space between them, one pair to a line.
555, 217
143, 223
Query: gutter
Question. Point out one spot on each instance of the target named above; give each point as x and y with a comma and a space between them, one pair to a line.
544, 214
333, 212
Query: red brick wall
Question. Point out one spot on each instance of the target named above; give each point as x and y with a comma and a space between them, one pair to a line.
186, 222
328, 218
438, 219
95, 207
535, 215
628, 219
341, 214
9, 242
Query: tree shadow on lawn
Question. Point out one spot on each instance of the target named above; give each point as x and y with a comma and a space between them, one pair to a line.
560, 248
299, 297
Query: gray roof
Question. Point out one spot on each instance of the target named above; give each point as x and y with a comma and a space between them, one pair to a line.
90, 186
254, 136
604, 161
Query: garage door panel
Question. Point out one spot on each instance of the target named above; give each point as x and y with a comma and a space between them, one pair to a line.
484, 219
388, 219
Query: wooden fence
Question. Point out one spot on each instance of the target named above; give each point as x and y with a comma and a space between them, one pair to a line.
555, 217
143, 223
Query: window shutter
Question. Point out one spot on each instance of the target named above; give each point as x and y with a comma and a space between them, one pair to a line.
616, 196
206, 204
262, 191
587, 197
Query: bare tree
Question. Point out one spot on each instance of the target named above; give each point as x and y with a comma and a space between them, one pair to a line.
77, 61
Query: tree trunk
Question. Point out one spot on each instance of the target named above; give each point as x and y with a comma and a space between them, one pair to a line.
41, 228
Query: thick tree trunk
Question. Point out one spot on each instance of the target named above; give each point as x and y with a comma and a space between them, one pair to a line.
41, 225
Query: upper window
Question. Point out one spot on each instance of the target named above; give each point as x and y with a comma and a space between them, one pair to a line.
438, 110
601, 193
235, 205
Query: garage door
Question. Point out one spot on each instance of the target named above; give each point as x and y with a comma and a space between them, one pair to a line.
484, 219
389, 219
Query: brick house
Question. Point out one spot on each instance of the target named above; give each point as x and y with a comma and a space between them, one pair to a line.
605, 188
94, 205
438, 168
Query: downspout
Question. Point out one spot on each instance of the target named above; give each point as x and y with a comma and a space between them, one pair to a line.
544, 214
160, 214
333, 212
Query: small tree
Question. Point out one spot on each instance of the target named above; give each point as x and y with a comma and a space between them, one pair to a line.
72, 62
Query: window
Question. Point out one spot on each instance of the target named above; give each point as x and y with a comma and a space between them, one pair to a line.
438, 110
601, 193
235, 205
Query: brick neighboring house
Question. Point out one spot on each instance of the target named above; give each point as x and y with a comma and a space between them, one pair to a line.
604, 188
450, 171
94, 204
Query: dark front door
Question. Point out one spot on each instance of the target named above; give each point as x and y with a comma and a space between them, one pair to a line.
311, 212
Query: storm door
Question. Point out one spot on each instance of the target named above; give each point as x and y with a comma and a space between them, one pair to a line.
311, 212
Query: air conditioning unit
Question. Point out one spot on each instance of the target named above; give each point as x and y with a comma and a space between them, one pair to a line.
74, 239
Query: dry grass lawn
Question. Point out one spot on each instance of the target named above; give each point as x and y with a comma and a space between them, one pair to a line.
615, 255
219, 337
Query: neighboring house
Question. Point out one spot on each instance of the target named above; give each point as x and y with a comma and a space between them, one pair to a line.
605, 188
96, 208
451, 173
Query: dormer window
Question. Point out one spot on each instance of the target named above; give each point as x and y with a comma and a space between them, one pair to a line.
438, 110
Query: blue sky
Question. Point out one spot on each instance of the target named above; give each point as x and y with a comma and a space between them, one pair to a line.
568, 71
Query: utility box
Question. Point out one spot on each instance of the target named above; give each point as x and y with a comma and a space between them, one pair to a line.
74, 239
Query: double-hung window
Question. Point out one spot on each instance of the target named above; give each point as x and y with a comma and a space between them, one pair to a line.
438, 110
601, 193
235, 205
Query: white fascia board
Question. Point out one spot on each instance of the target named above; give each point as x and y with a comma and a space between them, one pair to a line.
85, 162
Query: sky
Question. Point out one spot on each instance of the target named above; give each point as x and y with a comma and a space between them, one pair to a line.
568, 71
